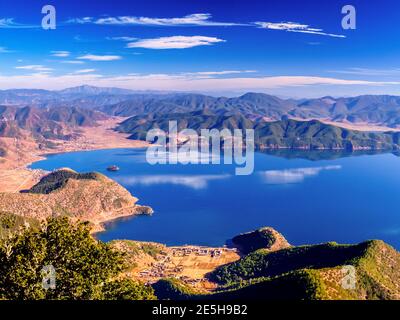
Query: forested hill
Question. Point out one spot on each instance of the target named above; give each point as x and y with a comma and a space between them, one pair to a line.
282, 134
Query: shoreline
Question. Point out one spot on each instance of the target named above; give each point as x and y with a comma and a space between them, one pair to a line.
15, 171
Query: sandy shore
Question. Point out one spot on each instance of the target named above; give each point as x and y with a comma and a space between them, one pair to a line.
359, 126
15, 174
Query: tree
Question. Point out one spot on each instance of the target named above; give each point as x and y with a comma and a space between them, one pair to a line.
127, 289
85, 268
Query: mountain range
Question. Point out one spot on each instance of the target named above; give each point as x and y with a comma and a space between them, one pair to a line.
367, 109
282, 134
48, 123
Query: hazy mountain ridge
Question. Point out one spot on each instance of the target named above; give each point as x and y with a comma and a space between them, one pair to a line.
366, 109
282, 134
48, 123
377, 110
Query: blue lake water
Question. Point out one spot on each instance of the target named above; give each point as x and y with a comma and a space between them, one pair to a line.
347, 200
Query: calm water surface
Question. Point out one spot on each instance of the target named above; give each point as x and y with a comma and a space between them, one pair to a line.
346, 200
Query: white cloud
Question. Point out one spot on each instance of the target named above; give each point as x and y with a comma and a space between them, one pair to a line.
369, 72
81, 20
181, 82
197, 19
34, 67
85, 71
219, 73
61, 54
73, 62
4, 50
289, 176
191, 181
125, 38
9, 23
93, 57
295, 27
174, 42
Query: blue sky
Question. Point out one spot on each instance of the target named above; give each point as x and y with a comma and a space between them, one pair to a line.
289, 48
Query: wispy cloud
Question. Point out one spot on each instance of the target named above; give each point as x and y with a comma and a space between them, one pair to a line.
84, 71
369, 72
296, 27
219, 73
61, 54
186, 83
93, 57
82, 20
191, 181
174, 42
125, 38
9, 23
289, 176
5, 50
197, 19
34, 67
73, 62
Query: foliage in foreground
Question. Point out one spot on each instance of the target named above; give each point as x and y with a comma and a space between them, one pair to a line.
85, 268
173, 289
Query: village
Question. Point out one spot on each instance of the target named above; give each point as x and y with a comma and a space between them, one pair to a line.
189, 264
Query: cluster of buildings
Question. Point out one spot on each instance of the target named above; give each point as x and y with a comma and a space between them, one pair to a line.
166, 268
198, 251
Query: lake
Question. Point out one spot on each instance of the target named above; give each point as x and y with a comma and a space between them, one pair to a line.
326, 197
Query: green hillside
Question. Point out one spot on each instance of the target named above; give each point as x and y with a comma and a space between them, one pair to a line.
173, 289
59, 178
313, 272
282, 134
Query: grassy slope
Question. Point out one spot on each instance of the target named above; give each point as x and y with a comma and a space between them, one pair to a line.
314, 272
306, 272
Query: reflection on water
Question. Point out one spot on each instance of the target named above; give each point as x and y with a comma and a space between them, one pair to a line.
191, 181
293, 175
309, 196
317, 155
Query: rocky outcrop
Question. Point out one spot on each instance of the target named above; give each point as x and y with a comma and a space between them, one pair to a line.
87, 197
264, 238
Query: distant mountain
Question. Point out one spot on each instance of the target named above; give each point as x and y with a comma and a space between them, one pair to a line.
368, 109
252, 105
51, 123
86, 90
64, 98
376, 110
282, 134
380, 110
22, 97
